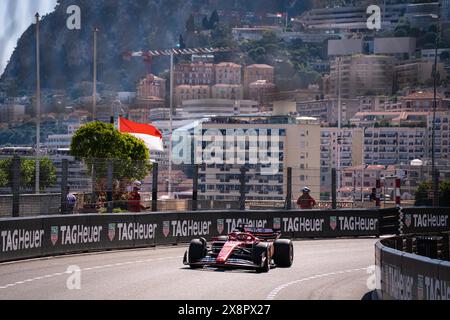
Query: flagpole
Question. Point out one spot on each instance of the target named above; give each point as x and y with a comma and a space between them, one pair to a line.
169, 191
38, 106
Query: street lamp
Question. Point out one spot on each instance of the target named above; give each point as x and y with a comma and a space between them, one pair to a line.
94, 82
363, 163
38, 106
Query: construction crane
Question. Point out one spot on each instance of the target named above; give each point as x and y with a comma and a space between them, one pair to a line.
150, 54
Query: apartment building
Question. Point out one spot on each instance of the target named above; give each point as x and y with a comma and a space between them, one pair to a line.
394, 145
198, 73
442, 135
349, 19
428, 54
261, 91
191, 92
228, 73
361, 75
390, 119
416, 73
342, 47
378, 104
346, 151
227, 91
197, 109
327, 111
151, 86
423, 101
298, 147
254, 33
11, 112
255, 72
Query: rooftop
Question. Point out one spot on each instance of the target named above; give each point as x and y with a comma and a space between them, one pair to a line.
259, 66
426, 95
228, 64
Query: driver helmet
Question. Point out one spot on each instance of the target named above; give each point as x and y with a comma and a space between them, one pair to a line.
306, 189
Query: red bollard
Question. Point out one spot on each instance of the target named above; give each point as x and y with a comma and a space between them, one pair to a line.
397, 192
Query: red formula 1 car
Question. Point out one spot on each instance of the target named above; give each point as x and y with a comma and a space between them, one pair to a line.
246, 248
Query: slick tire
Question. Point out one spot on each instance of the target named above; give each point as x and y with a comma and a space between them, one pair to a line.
261, 257
284, 253
197, 251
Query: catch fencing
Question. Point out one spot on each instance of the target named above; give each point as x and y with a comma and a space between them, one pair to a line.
106, 185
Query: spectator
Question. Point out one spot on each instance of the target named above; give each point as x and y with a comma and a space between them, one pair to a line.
305, 201
71, 201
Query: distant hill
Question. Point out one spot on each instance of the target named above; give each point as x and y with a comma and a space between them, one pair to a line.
66, 55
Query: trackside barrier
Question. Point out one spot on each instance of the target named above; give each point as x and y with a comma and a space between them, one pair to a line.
32, 237
406, 276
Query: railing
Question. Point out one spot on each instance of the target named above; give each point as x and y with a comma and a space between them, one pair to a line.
413, 267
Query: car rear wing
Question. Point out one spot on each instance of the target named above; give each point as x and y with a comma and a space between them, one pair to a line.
261, 233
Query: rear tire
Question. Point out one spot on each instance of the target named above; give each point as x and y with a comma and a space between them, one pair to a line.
284, 253
197, 251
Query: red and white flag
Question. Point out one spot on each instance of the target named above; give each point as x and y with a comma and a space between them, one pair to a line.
149, 134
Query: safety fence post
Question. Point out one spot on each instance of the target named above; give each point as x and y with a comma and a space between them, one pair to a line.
288, 205
242, 180
64, 190
397, 192
195, 188
333, 189
378, 191
15, 186
155, 187
435, 188
109, 186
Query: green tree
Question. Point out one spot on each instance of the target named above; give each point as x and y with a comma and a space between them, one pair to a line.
205, 23
47, 173
425, 187
190, 24
96, 142
444, 193
445, 55
421, 194
214, 20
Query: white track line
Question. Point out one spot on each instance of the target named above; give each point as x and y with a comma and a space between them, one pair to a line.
274, 292
106, 266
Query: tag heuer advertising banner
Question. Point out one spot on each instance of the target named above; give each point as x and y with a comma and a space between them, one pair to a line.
422, 220
51, 235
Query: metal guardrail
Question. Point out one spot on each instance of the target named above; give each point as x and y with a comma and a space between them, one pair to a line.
413, 267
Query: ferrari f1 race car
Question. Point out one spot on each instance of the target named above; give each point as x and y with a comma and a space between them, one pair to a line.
246, 248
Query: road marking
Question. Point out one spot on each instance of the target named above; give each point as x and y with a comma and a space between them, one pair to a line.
106, 266
277, 290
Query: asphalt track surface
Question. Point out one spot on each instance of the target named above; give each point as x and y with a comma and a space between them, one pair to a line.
322, 269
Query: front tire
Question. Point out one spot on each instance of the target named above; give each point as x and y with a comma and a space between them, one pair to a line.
284, 253
261, 257
197, 251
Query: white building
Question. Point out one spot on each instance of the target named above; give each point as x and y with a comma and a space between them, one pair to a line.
197, 109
